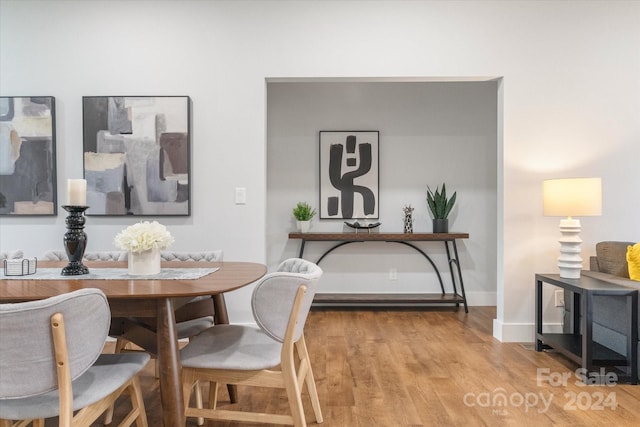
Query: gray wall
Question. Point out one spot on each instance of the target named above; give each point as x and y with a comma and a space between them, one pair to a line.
430, 132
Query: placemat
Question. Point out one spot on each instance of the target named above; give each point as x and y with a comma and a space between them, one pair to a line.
116, 274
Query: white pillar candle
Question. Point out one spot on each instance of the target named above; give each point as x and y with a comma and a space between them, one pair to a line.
77, 192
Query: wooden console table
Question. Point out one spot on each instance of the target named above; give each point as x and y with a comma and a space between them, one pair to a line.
344, 299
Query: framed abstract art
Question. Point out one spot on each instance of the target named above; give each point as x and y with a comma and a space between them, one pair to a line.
27, 155
349, 174
136, 155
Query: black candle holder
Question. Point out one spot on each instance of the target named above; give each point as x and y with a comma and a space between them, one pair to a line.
75, 241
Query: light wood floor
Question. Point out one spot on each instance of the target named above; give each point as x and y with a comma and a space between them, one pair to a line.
433, 368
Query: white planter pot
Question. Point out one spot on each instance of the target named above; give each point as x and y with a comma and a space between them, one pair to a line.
144, 263
303, 226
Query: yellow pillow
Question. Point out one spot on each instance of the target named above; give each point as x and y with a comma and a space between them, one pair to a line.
633, 260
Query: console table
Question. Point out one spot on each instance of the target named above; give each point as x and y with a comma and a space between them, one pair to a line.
578, 345
407, 239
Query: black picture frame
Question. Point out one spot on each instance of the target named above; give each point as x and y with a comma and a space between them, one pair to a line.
137, 155
349, 174
28, 156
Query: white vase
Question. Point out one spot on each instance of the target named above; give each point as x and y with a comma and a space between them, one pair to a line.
144, 263
304, 226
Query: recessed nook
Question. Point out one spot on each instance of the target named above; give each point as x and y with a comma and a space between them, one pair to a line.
432, 130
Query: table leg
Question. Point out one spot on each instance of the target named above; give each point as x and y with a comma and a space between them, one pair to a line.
169, 366
538, 320
301, 248
220, 310
586, 309
633, 337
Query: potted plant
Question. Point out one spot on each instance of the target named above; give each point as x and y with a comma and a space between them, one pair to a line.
303, 212
440, 207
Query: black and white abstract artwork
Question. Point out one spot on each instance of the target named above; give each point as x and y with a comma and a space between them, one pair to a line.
27, 156
136, 155
349, 174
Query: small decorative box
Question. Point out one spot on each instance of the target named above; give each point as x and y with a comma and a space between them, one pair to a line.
20, 266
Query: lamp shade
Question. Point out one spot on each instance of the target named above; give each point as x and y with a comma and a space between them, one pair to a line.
573, 197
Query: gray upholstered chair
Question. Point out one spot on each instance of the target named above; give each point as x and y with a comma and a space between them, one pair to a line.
206, 256
54, 256
105, 256
194, 316
10, 255
88, 256
247, 355
51, 363
186, 324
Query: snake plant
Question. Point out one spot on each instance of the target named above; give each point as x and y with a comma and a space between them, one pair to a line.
439, 205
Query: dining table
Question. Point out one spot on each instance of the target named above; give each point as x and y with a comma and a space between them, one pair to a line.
145, 297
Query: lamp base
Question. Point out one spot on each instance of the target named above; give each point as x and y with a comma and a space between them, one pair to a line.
569, 261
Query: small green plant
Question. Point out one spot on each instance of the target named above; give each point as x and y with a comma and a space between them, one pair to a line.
439, 205
303, 211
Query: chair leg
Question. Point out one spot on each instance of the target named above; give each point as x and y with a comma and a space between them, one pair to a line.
188, 381
108, 416
293, 393
213, 395
301, 348
121, 344
198, 391
137, 402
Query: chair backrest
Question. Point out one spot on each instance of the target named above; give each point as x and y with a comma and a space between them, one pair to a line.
273, 297
88, 256
207, 256
105, 256
612, 258
27, 359
10, 255
54, 256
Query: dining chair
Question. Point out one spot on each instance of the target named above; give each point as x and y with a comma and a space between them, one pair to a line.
10, 255
271, 354
193, 317
51, 363
188, 324
88, 256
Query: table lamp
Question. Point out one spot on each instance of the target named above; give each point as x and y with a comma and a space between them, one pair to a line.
569, 198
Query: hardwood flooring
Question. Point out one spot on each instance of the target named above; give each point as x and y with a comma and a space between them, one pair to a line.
432, 368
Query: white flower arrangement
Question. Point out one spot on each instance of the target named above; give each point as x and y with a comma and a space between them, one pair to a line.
143, 236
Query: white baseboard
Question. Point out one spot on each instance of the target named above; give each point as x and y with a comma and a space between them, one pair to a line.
520, 332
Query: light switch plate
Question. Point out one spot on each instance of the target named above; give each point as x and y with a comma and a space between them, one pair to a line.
241, 195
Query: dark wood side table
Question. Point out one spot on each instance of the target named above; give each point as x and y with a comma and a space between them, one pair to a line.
407, 239
578, 344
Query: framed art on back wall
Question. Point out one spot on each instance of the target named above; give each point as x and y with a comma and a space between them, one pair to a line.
136, 155
349, 174
27, 155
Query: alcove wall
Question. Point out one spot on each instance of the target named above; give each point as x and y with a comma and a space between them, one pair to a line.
430, 132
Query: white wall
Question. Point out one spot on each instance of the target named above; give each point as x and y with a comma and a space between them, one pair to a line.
571, 100
430, 132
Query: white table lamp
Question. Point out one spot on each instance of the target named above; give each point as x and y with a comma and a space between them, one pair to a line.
569, 198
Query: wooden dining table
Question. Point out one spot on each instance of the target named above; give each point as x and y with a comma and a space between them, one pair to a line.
146, 298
